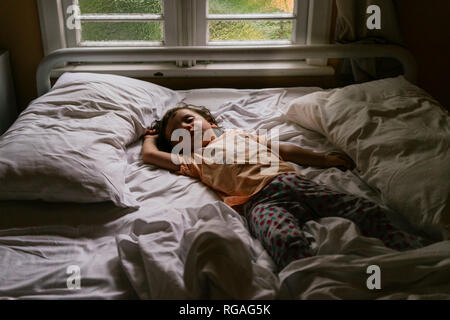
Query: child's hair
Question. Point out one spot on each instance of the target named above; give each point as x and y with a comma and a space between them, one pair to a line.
163, 142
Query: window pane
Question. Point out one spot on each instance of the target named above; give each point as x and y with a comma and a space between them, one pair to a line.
250, 30
120, 6
121, 31
250, 6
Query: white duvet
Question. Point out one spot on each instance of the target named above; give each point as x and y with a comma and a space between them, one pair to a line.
342, 268
398, 136
207, 253
184, 243
196, 253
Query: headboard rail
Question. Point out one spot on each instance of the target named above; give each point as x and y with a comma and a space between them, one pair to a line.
222, 53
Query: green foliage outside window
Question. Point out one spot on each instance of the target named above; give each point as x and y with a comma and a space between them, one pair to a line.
153, 31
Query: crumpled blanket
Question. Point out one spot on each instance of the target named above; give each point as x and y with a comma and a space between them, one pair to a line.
196, 253
207, 253
399, 138
340, 270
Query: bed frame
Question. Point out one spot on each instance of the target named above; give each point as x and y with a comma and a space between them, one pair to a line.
222, 53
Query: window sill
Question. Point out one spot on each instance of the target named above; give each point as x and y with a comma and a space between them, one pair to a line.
216, 69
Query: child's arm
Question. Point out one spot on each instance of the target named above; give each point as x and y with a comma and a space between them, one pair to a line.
309, 158
151, 154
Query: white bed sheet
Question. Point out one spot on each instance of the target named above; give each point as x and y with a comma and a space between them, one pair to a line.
34, 260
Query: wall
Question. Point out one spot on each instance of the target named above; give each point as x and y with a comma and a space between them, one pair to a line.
21, 35
426, 30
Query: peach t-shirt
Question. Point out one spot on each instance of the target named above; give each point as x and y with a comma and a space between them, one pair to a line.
236, 165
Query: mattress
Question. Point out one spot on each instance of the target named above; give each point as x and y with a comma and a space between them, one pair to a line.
124, 253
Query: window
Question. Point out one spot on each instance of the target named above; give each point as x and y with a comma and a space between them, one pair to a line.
258, 22
106, 23
119, 22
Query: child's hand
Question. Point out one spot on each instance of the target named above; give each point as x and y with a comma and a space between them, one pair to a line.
341, 161
151, 135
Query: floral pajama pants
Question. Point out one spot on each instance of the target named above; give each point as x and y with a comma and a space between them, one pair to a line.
277, 213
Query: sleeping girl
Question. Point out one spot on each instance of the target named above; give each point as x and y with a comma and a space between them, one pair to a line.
252, 175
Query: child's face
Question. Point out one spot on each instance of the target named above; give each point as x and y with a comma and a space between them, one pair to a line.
188, 120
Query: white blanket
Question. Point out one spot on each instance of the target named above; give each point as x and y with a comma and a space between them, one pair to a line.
341, 268
207, 253
196, 253
399, 138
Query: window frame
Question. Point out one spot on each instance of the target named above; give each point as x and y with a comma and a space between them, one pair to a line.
73, 37
191, 15
299, 18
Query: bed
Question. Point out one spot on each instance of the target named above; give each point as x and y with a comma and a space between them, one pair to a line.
82, 217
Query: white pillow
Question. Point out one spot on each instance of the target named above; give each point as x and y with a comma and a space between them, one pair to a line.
399, 138
69, 144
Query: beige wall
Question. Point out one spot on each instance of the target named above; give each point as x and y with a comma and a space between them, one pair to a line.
20, 34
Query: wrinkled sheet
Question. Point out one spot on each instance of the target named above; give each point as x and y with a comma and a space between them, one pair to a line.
121, 258
39, 241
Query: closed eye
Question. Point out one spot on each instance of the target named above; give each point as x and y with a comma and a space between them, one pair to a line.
188, 119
